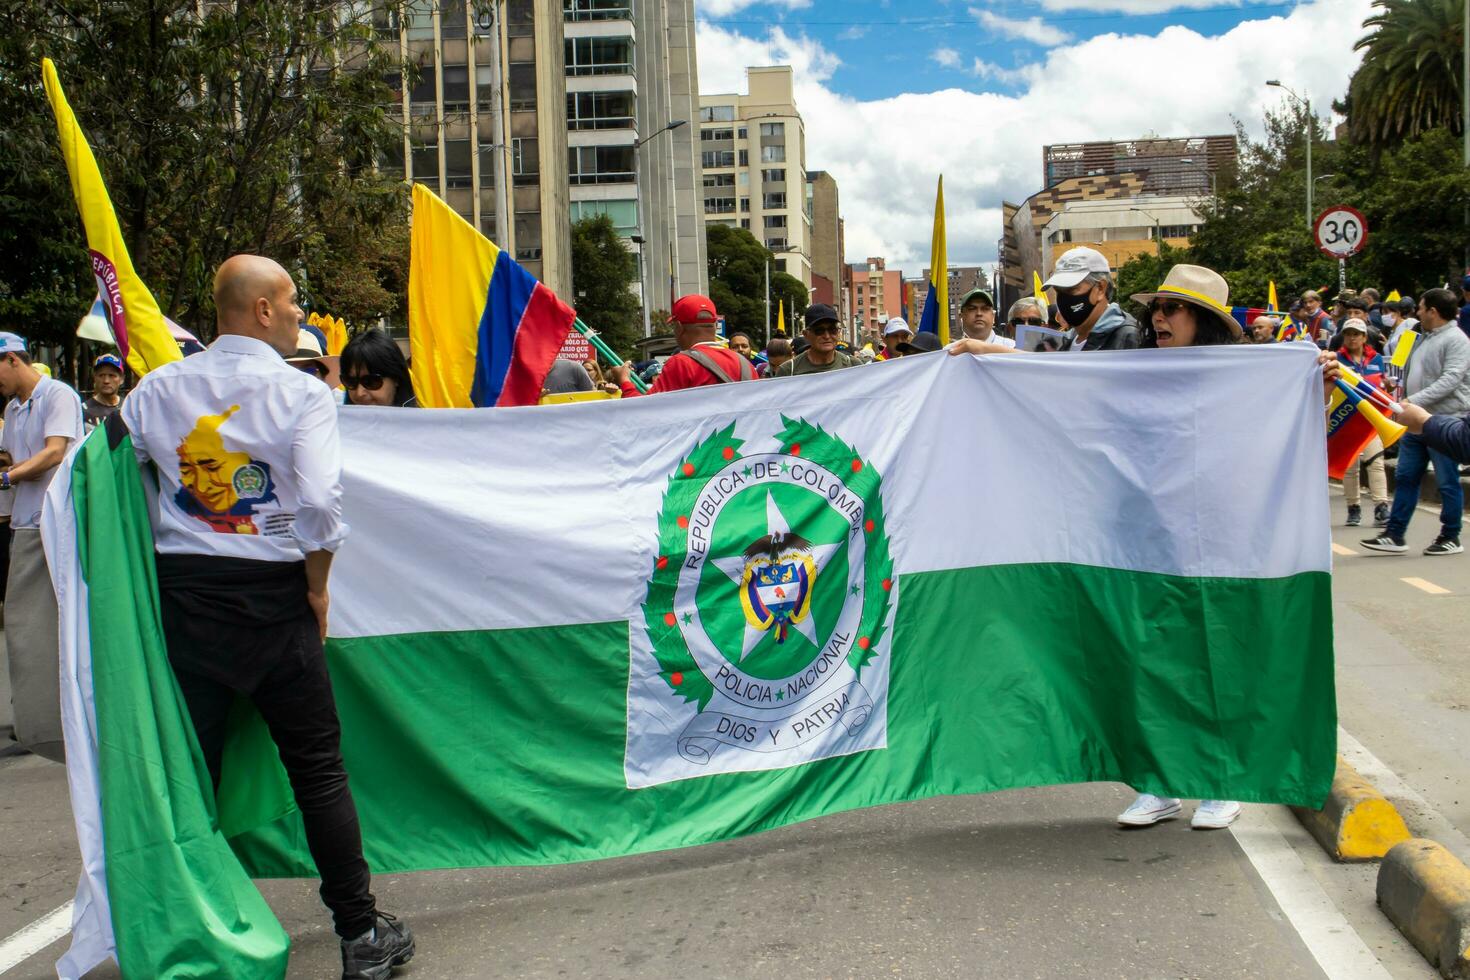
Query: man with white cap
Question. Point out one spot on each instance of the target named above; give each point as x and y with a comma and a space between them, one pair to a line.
895, 332
1084, 286
42, 420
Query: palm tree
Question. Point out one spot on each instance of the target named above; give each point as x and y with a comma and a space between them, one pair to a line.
1409, 81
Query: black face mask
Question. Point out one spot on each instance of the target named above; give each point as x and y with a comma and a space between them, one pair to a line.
1076, 309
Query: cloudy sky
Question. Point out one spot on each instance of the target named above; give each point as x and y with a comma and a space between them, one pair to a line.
895, 93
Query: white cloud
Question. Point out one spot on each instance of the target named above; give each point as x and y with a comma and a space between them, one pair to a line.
1032, 29
995, 73
886, 153
1136, 6
947, 57
855, 32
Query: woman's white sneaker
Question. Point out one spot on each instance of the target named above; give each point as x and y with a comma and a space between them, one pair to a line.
1215, 814
1148, 810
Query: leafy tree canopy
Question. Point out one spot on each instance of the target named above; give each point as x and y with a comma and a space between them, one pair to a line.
605, 277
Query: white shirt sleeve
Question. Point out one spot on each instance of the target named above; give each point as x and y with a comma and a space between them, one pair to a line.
316, 459
63, 415
131, 408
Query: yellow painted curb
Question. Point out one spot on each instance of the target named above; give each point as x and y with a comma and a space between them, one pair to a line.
1355, 823
1425, 891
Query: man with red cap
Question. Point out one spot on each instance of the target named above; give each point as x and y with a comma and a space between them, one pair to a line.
701, 360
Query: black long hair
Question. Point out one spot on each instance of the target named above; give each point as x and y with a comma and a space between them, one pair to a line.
374, 352
1209, 331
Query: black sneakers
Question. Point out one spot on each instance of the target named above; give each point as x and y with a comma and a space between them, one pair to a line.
1355, 515
1380, 515
1393, 546
1444, 545
373, 956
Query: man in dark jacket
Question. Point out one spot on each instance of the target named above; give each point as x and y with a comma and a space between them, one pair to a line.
1084, 286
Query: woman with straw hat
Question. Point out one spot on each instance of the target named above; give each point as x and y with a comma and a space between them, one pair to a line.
1191, 309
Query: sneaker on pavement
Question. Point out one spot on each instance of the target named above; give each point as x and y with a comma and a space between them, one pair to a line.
1355, 515
1444, 545
373, 956
1380, 515
1387, 543
1215, 814
1148, 810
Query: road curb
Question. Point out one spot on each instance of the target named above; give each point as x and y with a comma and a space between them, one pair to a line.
1425, 892
1356, 823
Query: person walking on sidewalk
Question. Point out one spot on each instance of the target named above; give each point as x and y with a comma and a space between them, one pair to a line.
1437, 379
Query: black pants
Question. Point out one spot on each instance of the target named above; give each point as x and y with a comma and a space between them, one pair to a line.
241, 627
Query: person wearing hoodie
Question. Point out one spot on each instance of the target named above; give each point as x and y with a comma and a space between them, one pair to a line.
1084, 301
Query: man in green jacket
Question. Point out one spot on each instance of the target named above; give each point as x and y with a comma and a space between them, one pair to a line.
821, 333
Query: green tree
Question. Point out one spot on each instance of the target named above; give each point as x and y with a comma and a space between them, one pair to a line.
247, 127
737, 282
1143, 273
1409, 79
605, 275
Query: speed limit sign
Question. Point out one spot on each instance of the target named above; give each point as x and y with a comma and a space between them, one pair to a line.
1341, 231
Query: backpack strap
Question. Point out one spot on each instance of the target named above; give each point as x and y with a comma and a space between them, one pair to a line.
747, 373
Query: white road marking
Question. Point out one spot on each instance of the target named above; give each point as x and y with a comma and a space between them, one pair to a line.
1424, 585
35, 937
1336, 946
1342, 549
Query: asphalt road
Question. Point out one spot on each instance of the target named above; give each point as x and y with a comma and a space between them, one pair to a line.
1030, 883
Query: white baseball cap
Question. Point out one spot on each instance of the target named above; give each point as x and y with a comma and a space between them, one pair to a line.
895, 325
1075, 266
11, 343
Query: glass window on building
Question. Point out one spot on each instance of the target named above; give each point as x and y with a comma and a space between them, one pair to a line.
717, 158
773, 129
528, 236
600, 110
525, 157
774, 202
775, 221
456, 88
451, 19
597, 9
419, 16
773, 154
457, 172
716, 135
424, 87
523, 86
624, 214
717, 113
520, 18
600, 164
719, 180
777, 176
426, 163
599, 55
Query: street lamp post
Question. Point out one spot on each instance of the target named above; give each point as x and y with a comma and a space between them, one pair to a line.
639, 238
1306, 106
1158, 232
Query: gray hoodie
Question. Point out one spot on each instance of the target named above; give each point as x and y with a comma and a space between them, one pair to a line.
1438, 375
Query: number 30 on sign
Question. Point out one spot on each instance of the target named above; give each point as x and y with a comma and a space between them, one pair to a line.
1341, 231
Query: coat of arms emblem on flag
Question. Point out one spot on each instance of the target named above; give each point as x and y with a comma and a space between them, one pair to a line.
765, 626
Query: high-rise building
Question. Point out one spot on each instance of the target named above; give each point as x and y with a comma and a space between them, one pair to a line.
877, 296
1187, 165
753, 154
631, 104
488, 99
825, 211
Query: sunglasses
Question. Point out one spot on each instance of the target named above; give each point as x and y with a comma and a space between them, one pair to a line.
827, 329
1167, 307
314, 369
1028, 321
368, 382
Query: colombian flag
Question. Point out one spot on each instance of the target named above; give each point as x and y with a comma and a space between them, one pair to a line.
1352, 422
936, 305
131, 312
481, 329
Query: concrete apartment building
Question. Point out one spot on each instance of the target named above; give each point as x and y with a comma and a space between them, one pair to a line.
630, 73
962, 279
753, 156
489, 94
877, 296
824, 208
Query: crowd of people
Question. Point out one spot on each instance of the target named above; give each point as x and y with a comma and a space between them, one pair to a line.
244, 605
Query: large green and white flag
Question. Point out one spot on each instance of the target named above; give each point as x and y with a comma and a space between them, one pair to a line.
593, 630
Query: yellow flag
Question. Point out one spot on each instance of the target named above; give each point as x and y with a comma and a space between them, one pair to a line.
1036, 288
936, 308
131, 311
449, 272
1402, 348
780, 317
1271, 297
336, 331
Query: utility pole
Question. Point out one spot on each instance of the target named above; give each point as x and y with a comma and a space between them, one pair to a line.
768, 302
504, 216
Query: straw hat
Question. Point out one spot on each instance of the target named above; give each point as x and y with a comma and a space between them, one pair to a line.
309, 351
1197, 286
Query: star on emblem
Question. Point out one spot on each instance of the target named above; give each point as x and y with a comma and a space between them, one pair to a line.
734, 568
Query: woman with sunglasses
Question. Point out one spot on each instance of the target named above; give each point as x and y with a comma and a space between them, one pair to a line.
375, 372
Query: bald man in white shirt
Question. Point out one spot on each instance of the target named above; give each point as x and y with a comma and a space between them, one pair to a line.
249, 513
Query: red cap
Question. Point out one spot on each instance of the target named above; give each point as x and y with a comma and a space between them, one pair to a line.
694, 309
